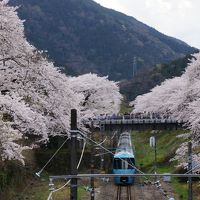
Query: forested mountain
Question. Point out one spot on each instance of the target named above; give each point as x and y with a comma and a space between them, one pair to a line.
146, 80
83, 36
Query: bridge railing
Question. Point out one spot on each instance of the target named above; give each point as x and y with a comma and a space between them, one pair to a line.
136, 121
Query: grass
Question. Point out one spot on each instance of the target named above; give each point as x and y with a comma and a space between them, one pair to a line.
167, 143
39, 190
180, 188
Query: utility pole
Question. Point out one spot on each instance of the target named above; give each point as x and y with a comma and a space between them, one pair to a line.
134, 65
190, 169
73, 186
92, 194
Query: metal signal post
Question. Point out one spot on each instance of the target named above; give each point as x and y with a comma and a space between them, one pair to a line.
92, 194
73, 186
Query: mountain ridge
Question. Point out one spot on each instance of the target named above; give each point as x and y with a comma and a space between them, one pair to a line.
85, 37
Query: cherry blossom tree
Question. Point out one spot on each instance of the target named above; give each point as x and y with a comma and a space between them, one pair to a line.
35, 98
99, 95
14, 46
26, 73
192, 96
179, 97
15, 119
163, 99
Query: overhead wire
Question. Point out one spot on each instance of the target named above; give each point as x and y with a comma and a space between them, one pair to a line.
41, 170
195, 167
78, 165
85, 135
102, 141
97, 144
115, 132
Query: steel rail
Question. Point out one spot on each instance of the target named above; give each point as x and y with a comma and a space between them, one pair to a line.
119, 190
129, 192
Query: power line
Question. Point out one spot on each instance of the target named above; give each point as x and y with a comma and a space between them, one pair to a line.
81, 157
176, 175
97, 144
195, 167
39, 172
84, 134
113, 155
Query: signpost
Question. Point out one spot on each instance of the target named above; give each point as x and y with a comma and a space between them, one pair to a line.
152, 142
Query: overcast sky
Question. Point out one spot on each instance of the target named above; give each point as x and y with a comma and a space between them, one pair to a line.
177, 18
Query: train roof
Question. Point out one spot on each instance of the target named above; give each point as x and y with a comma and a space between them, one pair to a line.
124, 155
124, 146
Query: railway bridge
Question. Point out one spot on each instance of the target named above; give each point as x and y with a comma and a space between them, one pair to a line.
136, 124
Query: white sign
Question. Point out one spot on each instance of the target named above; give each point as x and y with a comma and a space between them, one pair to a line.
152, 141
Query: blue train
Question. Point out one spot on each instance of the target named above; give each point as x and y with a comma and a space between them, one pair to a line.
124, 160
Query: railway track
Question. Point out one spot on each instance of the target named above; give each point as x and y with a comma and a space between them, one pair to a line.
123, 193
138, 190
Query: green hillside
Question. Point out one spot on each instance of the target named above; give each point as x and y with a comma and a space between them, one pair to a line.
167, 143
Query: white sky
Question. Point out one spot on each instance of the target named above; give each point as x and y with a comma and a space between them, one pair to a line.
177, 18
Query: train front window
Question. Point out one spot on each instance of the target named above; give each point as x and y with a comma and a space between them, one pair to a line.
131, 162
124, 163
117, 163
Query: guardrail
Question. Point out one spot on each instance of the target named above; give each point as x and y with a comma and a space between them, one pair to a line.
137, 121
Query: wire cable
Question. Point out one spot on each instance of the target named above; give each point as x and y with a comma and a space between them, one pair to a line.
85, 135
115, 132
195, 167
38, 173
80, 159
102, 141
97, 144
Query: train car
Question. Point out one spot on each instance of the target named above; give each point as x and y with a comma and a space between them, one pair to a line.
124, 160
